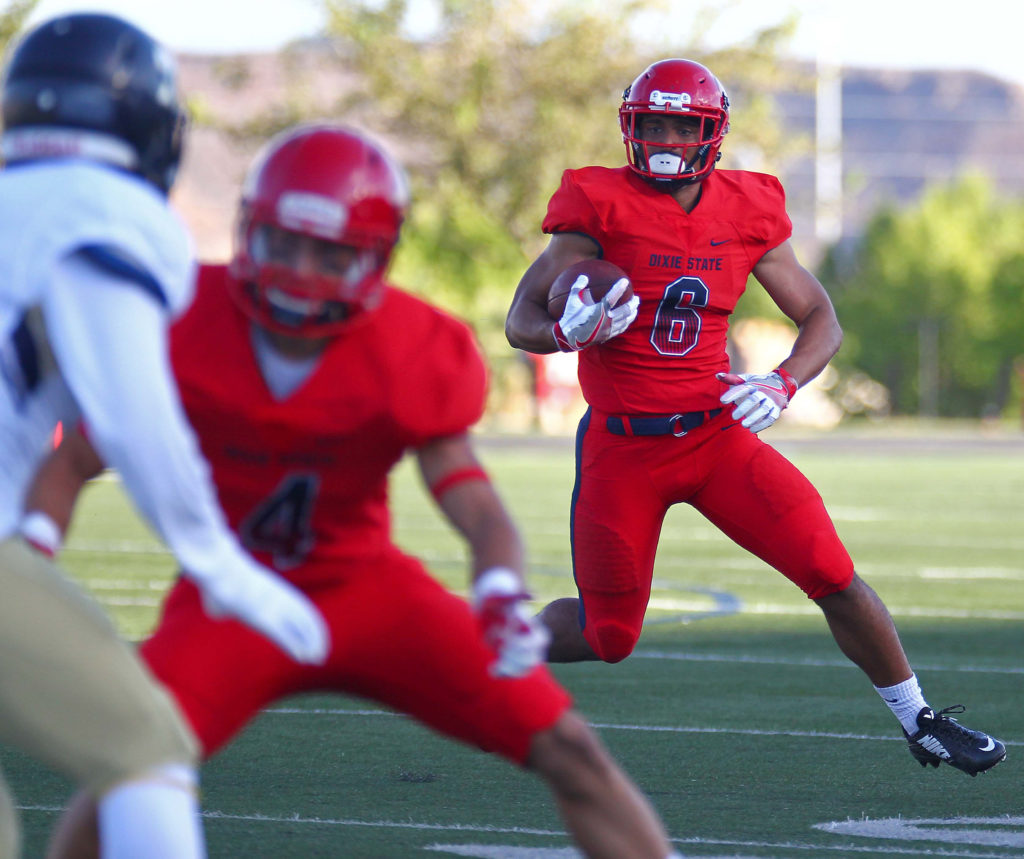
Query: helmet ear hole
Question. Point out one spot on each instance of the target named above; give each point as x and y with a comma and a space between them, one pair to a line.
94, 86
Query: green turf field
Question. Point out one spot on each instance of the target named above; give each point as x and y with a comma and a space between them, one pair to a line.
737, 715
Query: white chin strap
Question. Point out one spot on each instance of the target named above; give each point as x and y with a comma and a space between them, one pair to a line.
665, 164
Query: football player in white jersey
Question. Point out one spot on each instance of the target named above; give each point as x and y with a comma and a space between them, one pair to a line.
93, 268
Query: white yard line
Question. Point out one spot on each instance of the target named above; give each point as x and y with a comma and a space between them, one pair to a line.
502, 851
803, 662
614, 726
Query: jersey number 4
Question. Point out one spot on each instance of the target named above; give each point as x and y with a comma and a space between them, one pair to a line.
677, 321
282, 523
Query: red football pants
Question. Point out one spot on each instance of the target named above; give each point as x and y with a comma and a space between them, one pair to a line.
397, 637
625, 485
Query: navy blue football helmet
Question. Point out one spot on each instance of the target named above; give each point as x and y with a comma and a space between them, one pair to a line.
97, 87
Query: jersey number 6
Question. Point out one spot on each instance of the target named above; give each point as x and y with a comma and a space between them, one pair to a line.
676, 323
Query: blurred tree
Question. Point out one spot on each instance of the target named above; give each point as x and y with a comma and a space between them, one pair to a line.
13, 17
496, 100
930, 300
1007, 338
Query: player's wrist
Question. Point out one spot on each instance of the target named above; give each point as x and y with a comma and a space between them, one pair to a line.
792, 385
561, 341
497, 582
41, 532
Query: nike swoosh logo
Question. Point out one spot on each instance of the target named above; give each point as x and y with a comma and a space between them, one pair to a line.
892, 700
988, 746
715, 244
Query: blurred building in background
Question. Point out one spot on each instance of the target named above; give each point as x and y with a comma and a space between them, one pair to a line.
900, 131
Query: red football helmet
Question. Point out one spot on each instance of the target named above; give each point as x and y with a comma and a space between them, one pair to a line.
675, 88
320, 214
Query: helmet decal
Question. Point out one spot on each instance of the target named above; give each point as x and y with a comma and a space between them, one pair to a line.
676, 100
303, 212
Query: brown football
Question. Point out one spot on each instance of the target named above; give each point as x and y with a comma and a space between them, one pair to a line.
602, 276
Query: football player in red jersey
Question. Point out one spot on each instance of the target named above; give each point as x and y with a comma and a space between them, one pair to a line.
306, 378
668, 421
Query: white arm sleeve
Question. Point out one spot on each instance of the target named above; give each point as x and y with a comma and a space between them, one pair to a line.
110, 338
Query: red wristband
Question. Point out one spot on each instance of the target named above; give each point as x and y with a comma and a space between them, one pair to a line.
454, 478
787, 380
560, 341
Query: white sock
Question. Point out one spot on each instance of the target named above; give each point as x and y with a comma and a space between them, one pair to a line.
153, 817
905, 700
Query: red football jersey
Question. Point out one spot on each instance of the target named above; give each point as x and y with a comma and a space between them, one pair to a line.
303, 479
689, 270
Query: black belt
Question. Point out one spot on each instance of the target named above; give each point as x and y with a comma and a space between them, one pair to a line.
677, 425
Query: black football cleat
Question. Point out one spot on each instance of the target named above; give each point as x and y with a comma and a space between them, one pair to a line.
942, 738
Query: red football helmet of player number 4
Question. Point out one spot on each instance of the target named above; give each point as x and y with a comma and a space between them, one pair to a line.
675, 88
342, 195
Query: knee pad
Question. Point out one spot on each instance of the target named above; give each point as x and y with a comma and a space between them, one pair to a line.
612, 641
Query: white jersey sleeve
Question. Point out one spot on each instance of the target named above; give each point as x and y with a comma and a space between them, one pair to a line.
48, 212
100, 257
109, 336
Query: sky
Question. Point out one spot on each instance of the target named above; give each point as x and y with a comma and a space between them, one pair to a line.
982, 35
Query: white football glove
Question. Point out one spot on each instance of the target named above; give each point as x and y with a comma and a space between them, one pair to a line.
583, 325
270, 605
519, 640
759, 399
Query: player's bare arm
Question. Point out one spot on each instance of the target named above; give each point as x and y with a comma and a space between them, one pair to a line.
800, 295
528, 325
58, 482
462, 490
468, 499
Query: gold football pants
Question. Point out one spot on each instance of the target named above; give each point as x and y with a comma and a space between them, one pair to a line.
72, 693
